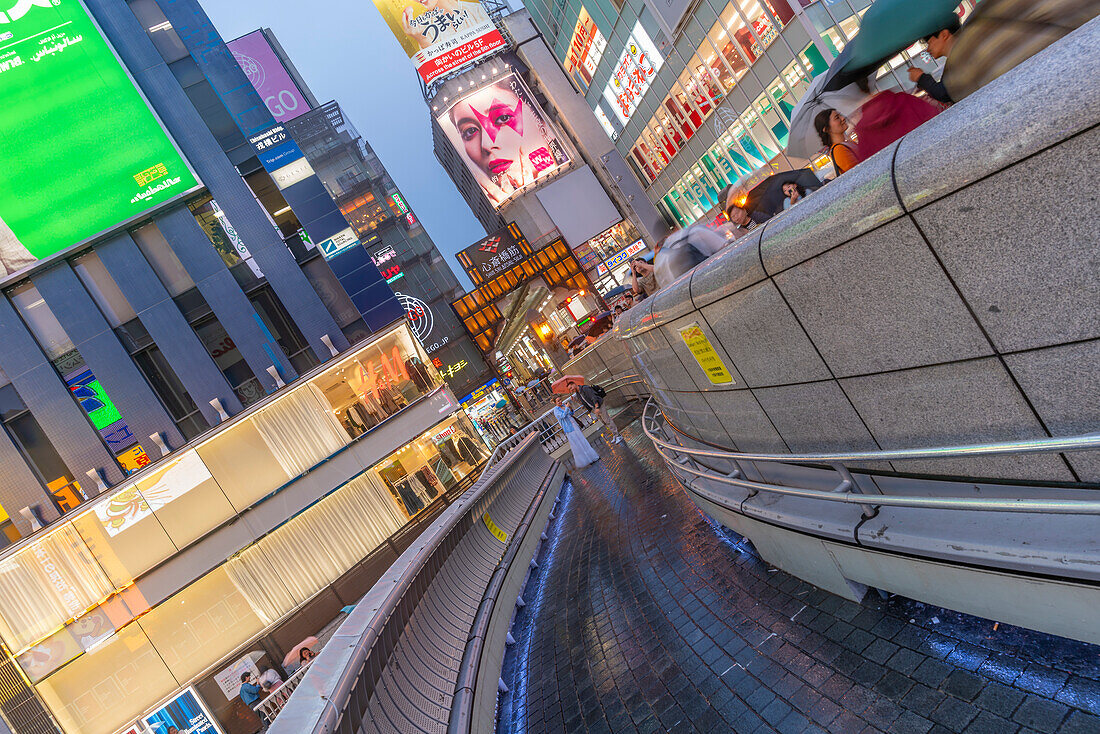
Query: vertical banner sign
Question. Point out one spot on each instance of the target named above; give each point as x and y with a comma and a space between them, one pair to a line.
440, 36
105, 418
268, 76
634, 72
82, 151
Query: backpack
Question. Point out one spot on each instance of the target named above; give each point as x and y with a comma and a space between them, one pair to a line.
600, 392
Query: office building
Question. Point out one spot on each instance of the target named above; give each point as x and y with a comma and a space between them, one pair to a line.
372, 204
218, 425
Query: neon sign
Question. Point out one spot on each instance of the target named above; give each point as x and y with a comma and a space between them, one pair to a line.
392, 273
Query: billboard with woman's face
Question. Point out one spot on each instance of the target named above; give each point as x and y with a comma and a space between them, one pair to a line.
504, 138
440, 36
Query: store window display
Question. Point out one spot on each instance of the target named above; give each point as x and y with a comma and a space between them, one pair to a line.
431, 464
378, 382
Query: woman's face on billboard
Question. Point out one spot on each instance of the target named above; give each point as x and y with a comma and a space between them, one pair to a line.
492, 123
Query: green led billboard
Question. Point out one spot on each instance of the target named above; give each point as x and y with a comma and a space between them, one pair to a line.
80, 149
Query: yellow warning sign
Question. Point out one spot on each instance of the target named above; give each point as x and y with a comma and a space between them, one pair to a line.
705, 355
497, 532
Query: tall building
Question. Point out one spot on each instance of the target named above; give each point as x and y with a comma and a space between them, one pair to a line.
372, 204
218, 425
697, 95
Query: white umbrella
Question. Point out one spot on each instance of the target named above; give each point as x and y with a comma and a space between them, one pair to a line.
803, 140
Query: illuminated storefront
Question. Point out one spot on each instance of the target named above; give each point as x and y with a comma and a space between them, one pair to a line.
76, 602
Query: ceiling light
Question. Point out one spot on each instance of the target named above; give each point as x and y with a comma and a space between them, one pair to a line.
282, 211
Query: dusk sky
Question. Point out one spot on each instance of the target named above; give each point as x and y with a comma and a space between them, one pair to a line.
345, 52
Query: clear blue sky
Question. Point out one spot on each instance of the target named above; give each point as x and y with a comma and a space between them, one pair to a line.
346, 52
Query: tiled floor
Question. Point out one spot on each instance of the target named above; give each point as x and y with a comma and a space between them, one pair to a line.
645, 616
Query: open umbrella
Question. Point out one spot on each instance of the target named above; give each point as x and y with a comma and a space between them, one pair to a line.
617, 291
294, 655
803, 140
577, 341
888, 27
766, 198
1000, 34
561, 387
600, 323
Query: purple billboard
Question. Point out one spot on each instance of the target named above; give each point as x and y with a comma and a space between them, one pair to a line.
267, 74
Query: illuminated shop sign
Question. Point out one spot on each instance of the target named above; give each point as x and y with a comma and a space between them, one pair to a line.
391, 272
420, 316
637, 66
339, 242
455, 368
621, 257
585, 49
481, 392
400, 203
185, 712
493, 255
93, 398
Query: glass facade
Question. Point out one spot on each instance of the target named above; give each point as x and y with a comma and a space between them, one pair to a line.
86, 619
714, 104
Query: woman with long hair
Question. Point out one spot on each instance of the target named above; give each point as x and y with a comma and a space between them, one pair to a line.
583, 453
832, 126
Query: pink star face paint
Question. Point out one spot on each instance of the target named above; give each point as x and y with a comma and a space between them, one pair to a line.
504, 137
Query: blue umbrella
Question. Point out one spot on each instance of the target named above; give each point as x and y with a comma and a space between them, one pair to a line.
618, 291
888, 27
577, 342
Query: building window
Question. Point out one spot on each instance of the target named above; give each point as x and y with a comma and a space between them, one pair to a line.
163, 260
63, 489
103, 289
160, 31
283, 330
171, 392
229, 360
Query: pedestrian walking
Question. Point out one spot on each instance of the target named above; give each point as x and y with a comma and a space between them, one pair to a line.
939, 46
593, 399
583, 453
643, 277
888, 116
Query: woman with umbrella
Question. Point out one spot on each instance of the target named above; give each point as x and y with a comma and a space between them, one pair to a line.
832, 127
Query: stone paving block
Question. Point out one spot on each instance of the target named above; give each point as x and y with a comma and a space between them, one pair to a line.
1041, 715
651, 618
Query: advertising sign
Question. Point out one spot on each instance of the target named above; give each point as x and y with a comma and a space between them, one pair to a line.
637, 66
65, 96
184, 713
620, 257
229, 678
268, 76
504, 138
440, 36
585, 49
493, 255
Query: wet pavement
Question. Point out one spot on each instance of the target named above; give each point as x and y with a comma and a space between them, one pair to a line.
646, 616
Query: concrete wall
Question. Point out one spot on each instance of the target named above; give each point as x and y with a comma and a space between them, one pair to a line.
943, 292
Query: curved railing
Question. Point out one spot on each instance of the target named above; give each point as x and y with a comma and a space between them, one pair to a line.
684, 459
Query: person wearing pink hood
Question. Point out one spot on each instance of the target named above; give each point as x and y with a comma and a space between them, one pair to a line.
888, 116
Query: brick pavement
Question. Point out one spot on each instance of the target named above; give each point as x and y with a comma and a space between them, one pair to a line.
647, 616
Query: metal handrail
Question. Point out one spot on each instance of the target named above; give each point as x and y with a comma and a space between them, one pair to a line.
847, 491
